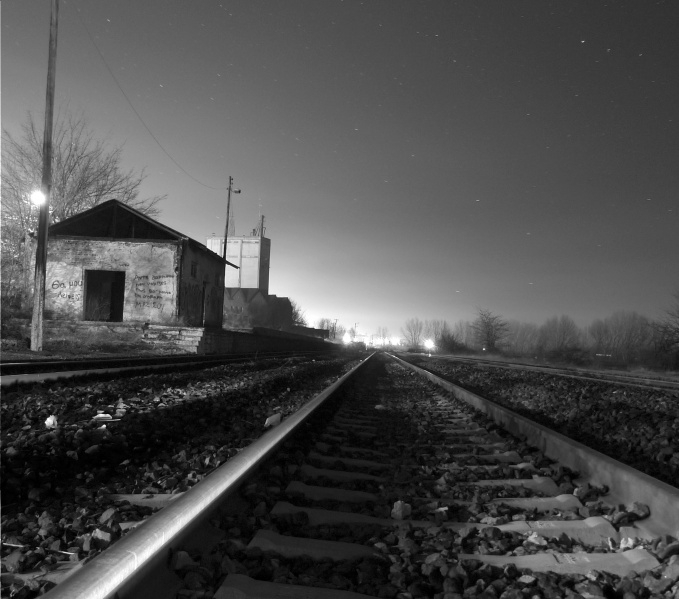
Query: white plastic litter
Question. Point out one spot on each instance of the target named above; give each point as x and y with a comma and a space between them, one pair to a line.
536, 539
273, 420
401, 510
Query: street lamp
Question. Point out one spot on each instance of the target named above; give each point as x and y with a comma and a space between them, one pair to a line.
429, 345
38, 198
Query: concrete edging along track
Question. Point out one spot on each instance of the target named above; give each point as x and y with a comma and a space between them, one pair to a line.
149, 545
627, 484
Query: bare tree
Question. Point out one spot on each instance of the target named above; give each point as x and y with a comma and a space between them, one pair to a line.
522, 337
298, 318
464, 333
383, 335
450, 341
632, 334
558, 334
490, 329
330, 324
412, 332
85, 172
601, 336
624, 336
667, 328
434, 329
324, 323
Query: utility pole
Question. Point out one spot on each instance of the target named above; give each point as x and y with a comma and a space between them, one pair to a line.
228, 210
43, 217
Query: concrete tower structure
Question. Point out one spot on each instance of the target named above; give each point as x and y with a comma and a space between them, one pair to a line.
252, 255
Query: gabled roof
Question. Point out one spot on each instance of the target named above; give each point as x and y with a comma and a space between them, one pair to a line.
115, 220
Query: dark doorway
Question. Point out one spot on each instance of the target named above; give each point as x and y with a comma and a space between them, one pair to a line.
104, 295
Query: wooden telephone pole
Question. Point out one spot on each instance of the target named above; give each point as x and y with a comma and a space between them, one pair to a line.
43, 218
228, 210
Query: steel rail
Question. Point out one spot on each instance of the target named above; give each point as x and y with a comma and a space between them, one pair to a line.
629, 484
129, 559
59, 371
576, 373
51, 365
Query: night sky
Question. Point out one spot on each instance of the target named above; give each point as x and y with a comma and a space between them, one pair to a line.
412, 158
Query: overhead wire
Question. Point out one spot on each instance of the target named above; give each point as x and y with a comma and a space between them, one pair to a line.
141, 120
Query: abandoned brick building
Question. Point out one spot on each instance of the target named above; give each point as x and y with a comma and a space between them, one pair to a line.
113, 263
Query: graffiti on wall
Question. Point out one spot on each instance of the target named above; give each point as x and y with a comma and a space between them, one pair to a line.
152, 291
68, 290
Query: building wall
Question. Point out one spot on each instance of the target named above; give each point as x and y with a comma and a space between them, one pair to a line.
201, 296
264, 262
247, 308
149, 289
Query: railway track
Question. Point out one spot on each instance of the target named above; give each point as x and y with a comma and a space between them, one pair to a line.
388, 485
583, 374
30, 372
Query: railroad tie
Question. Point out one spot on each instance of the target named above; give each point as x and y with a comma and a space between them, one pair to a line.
316, 493
544, 484
326, 447
637, 560
355, 421
310, 471
505, 457
239, 586
345, 431
316, 549
326, 460
563, 502
592, 531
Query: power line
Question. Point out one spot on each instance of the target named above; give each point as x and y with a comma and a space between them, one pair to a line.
141, 120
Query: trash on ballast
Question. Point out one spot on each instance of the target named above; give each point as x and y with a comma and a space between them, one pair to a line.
401, 510
628, 543
51, 422
273, 420
102, 417
536, 539
380, 407
181, 560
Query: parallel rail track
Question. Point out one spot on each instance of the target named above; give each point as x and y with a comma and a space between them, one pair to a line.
601, 376
422, 493
42, 371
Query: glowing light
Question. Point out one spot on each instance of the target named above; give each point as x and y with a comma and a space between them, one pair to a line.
38, 197
429, 344
346, 338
